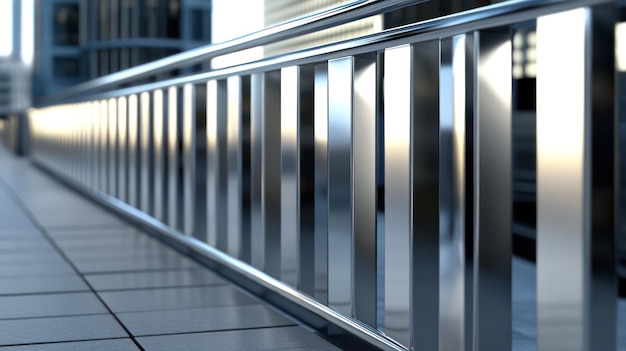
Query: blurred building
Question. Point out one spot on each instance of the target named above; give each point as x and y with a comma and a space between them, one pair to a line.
78, 40
14, 86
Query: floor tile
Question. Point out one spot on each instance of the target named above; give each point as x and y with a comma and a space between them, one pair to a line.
40, 244
160, 279
121, 253
174, 298
50, 305
284, 338
136, 264
85, 232
43, 284
26, 234
31, 257
127, 240
21, 331
95, 345
108, 245
202, 319
72, 219
34, 269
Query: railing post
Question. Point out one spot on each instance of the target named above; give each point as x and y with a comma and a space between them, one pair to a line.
320, 131
290, 175
340, 115
364, 182
576, 120
122, 142
493, 196
398, 190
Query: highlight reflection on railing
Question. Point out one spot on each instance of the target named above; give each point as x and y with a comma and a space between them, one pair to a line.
378, 179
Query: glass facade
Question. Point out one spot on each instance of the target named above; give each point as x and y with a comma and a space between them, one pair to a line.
78, 40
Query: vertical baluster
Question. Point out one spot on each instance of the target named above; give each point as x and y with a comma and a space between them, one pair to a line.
200, 151
576, 291
133, 151
425, 228
454, 301
256, 159
306, 155
471, 48
216, 164
493, 192
146, 160
122, 139
233, 164
398, 190
189, 158
160, 156
86, 136
271, 192
364, 199
246, 172
174, 132
290, 211
95, 146
112, 174
340, 113
104, 116
320, 122
212, 186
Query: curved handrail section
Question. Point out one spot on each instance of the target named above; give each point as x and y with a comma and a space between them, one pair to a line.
316, 21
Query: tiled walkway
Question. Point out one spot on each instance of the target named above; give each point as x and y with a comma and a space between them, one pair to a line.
75, 277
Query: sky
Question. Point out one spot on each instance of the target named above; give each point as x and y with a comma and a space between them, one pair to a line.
6, 27
27, 28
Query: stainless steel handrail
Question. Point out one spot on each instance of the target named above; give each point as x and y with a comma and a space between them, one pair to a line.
302, 25
473, 19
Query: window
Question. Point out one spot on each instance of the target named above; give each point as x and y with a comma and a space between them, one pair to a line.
66, 67
65, 25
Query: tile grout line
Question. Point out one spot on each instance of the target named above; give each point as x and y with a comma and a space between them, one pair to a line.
20, 204
221, 330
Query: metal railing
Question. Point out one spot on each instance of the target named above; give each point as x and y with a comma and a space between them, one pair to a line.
370, 181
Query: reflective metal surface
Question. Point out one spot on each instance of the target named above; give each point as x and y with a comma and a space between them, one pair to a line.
200, 150
340, 115
212, 184
290, 185
112, 144
234, 165
364, 185
326, 18
189, 157
426, 192
453, 301
257, 235
146, 160
492, 280
280, 163
133, 151
104, 141
217, 175
270, 176
95, 144
122, 147
306, 174
159, 138
320, 127
174, 164
576, 287
398, 190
